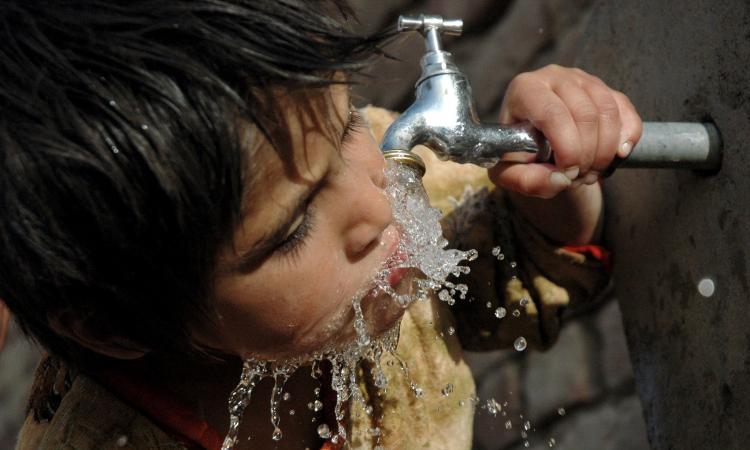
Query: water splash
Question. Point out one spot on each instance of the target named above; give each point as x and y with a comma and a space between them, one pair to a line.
252, 372
520, 344
421, 247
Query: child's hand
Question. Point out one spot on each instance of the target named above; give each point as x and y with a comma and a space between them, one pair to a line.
586, 123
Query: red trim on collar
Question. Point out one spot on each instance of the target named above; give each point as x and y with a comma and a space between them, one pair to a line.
169, 413
598, 253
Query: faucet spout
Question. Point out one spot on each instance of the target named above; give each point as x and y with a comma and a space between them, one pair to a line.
443, 118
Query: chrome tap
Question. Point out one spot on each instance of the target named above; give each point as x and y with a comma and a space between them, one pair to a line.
443, 118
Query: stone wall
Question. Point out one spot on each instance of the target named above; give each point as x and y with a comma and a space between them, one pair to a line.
683, 61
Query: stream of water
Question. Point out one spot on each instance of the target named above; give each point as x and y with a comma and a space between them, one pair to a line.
423, 248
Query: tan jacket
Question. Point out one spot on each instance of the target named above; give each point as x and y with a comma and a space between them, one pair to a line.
88, 417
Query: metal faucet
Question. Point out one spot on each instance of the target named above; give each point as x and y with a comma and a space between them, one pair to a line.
443, 118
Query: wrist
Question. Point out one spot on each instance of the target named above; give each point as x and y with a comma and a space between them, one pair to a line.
573, 217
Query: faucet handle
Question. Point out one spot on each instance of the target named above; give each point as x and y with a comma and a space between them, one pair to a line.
431, 27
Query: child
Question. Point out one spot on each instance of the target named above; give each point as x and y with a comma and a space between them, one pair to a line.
185, 184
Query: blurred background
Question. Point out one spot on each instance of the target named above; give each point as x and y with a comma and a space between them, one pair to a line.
580, 393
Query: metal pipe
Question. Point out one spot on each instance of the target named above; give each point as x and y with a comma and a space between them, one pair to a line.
676, 145
443, 118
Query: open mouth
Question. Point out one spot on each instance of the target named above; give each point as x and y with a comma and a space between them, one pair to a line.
394, 271
395, 275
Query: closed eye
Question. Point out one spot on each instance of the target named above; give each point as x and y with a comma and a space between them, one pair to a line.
355, 124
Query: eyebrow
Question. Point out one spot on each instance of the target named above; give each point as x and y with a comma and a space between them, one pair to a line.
265, 246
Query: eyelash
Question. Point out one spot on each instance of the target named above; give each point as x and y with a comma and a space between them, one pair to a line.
294, 243
355, 123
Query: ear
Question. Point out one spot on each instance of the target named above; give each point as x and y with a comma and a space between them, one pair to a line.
90, 335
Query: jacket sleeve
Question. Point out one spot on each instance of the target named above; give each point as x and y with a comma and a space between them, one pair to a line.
522, 283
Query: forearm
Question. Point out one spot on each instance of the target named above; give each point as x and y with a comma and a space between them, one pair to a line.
573, 217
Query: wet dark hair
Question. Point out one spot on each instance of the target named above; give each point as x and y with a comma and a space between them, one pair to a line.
122, 167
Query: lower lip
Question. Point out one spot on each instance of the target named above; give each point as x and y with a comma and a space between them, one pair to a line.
396, 275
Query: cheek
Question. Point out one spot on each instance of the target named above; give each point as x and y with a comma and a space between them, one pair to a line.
282, 309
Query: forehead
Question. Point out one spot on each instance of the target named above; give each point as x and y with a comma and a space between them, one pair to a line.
277, 178
309, 127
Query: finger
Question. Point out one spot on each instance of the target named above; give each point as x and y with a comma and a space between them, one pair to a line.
609, 129
546, 112
585, 114
632, 125
534, 180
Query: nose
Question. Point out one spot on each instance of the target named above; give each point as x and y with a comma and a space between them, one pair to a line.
369, 210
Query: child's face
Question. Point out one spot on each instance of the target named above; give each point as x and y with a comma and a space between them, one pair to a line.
331, 229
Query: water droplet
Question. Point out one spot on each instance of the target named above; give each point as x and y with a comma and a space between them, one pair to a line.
493, 407
524, 301
317, 405
369, 410
277, 435
144, 127
291, 412
496, 251
287, 396
112, 103
461, 403
316, 391
471, 255
513, 264
451, 331
520, 344
551, 442
500, 312
112, 145
335, 439
489, 304
501, 257
508, 425
447, 390
706, 287
323, 431
516, 313
561, 411
526, 444
527, 425
524, 434
418, 392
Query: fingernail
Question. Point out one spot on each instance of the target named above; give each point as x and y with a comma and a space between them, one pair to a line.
559, 181
572, 172
591, 177
625, 149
